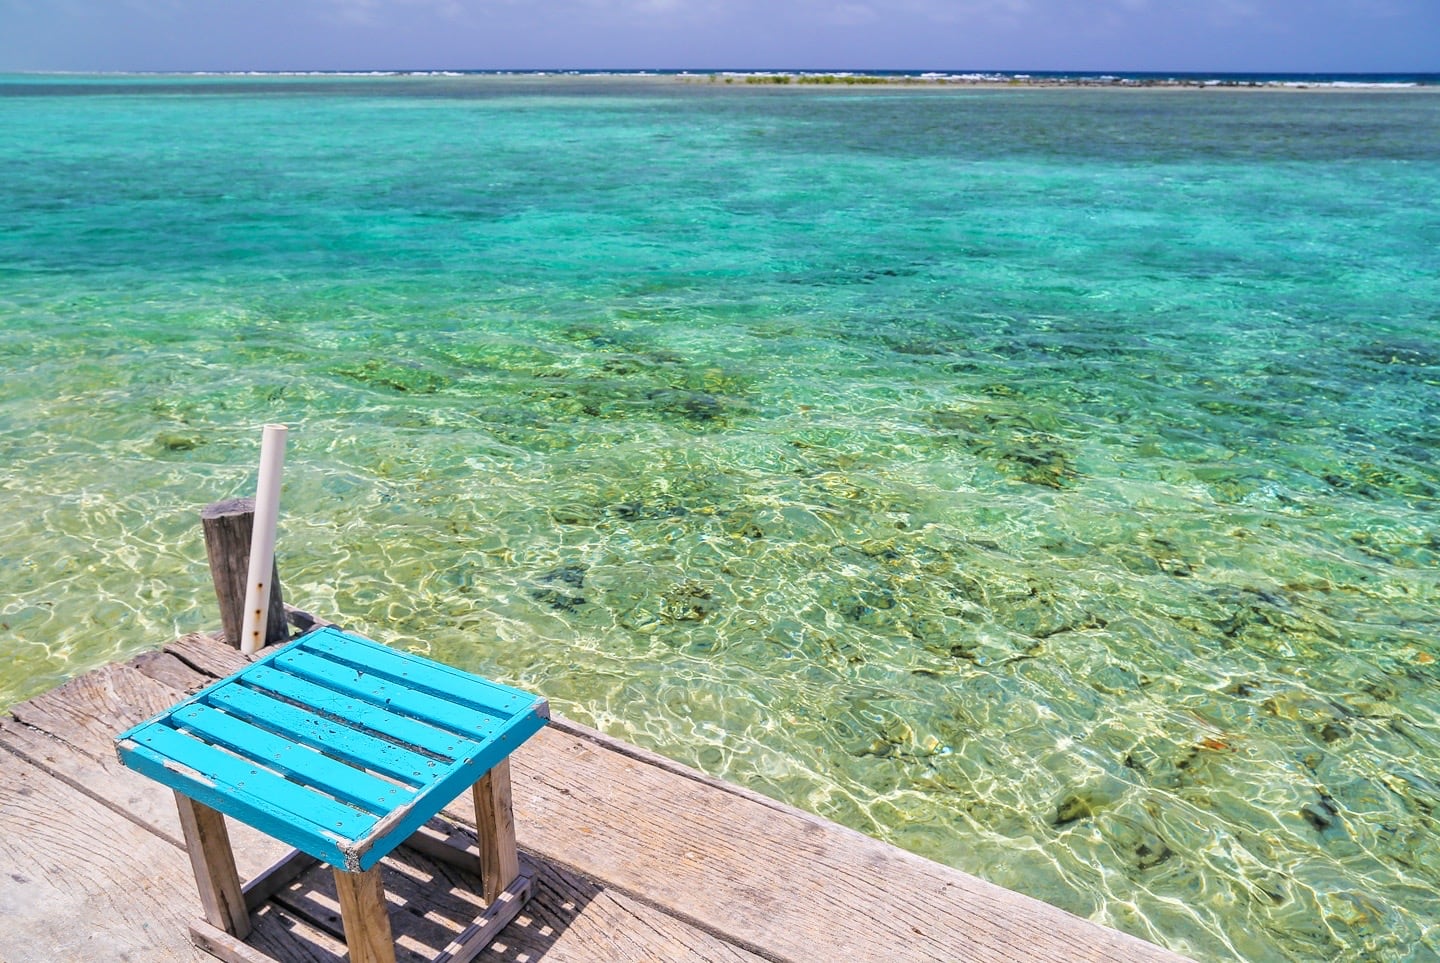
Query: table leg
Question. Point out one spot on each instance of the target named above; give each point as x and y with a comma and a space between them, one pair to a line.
208, 842
495, 832
365, 916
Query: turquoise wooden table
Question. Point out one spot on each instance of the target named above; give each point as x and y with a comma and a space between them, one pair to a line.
342, 748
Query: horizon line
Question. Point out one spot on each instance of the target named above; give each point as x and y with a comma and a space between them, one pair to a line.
853, 71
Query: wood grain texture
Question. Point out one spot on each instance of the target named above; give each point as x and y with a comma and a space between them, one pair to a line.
276, 877
366, 917
228, 527
208, 655
103, 779
70, 731
76, 746
224, 945
90, 709
81, 884
168, 670
789, 885
568, 920
495, 831
208, 844
581, 921
285, 937
478, 936
78, 881
278, 937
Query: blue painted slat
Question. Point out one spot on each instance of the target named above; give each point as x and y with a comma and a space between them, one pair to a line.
356, 711
328, 735
284, 797
332, 777
378, 690
447, 683
321, 691
249, 808
452, 784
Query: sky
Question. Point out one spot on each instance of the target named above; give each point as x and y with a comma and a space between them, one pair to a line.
1167, 35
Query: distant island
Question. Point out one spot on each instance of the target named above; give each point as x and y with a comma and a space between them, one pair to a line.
875, 78
1081, 79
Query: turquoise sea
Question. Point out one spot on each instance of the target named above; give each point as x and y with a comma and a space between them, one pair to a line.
1044, 480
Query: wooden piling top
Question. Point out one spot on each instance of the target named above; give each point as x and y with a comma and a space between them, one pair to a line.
636, 858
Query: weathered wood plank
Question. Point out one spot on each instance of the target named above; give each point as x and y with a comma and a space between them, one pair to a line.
689, 847
495, 831
478, 936
90, 709
74, 743
276, 877
284, 937
168, 670
277, 936
676, 849
577, 920
69, 731
225, 946
208, 655
568, 920
208, 844
685, 843
366, 916
104, 780
79, 882
61, 854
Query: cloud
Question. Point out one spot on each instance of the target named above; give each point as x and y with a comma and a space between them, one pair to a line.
1227, 13
956, 11
370, 13
360, 13
851, 15
674, 9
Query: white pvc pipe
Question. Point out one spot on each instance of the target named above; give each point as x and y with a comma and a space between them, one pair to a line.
262, 541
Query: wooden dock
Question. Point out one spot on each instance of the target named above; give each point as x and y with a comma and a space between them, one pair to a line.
637, 858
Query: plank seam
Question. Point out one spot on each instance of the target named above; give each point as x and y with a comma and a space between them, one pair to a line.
658, 761
755, 949
179, 653
82, 789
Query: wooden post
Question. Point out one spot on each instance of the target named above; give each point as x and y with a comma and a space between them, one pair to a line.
208, 842
365, 916
495, 832
228, 526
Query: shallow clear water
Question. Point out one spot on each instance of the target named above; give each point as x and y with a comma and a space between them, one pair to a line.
1042, 480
